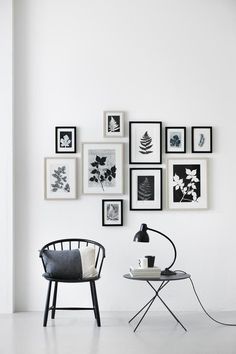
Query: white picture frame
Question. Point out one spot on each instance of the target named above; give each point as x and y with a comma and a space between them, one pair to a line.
102, 168
113, 124
187, 184
60, 178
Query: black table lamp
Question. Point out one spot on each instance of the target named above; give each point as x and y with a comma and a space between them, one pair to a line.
142, 236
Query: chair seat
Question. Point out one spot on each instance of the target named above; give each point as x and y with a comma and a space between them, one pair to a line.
78, 280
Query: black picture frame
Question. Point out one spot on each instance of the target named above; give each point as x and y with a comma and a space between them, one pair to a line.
174, 143
201, 139
69, 139
144, 147
111, 219
146, 189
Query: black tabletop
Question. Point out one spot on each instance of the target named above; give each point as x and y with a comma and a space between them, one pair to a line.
178, 276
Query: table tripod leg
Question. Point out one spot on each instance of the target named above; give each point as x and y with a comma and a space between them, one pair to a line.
150, 304
172, 313
141, 309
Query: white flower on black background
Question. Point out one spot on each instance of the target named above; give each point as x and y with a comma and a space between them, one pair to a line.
113, 124
187, 188
65, 141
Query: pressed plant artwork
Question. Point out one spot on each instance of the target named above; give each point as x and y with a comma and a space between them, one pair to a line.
112, 212
145, 142
145, 187
202, 139
146, 145
113, 124
65, 139
60, 178
187, 184
175, 139
102, 168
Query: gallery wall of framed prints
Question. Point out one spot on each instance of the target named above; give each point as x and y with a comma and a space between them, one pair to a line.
103, 166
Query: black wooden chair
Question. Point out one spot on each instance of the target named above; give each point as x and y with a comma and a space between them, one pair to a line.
68, 245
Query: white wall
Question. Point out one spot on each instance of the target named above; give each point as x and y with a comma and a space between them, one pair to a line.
170, 60
6, 205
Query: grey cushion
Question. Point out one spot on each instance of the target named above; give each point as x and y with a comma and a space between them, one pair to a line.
63, 264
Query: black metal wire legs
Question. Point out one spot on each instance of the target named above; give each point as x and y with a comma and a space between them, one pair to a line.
147, 306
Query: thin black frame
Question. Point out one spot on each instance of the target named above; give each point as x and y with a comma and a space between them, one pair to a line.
130, 143
166, 141
121, 211
130, 188
192, 139
56, 140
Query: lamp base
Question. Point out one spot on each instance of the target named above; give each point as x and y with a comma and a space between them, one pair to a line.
167, 272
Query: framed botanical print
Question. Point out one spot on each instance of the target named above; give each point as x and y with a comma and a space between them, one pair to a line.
145, 189
175, 140
187, 184
112, 212
65, 139
113, 124
145, 141
60, 178
103, 168
202, 139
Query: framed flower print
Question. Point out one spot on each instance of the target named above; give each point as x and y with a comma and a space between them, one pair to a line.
65, 140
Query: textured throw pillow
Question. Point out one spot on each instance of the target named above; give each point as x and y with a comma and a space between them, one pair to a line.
63, 264
88, 262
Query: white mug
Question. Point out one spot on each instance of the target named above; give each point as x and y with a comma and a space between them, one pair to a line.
143, 263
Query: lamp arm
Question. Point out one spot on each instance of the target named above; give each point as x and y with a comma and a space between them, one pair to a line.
173, 245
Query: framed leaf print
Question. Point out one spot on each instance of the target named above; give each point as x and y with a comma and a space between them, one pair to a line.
113, 124
60, 178
112, 212
65, 139
145, 189
145, 141
202, 139
175, 140
102, 168
187, 184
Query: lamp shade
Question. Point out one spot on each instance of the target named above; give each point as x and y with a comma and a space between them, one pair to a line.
142, 235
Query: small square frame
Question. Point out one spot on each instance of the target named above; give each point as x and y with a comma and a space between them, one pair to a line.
201, 139
113, 124
112, 217
145, 188
60, 178
175, 140
65, 140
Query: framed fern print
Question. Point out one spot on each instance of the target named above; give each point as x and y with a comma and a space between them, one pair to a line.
145, 142
113, 124
65, 140
102, 168
187, 184
112, 212
145, 189
60, 178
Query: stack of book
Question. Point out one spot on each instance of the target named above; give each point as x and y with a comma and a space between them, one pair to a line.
152, 272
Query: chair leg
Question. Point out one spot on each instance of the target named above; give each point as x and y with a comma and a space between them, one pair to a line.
54, 302
45, 319
92, 295
96, 303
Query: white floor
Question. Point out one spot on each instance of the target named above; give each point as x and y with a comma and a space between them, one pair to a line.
76, 332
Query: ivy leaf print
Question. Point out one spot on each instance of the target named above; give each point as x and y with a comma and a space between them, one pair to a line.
65, 141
